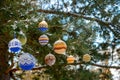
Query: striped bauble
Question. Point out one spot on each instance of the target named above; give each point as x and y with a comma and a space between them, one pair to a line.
43, 26
43, 39
14, 46
70, 59
60, 47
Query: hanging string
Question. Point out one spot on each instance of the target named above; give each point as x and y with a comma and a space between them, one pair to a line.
14, 34
43, 19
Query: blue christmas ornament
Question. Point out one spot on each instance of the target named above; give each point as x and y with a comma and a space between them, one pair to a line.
43, 26
26, 61
14, 46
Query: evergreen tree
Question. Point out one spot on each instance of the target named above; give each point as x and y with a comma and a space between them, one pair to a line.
78, 23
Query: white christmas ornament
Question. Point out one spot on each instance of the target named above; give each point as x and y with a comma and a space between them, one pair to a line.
50, 59
14, 46
43, 39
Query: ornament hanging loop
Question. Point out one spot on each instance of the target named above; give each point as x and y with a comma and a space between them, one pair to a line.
14, 34
43, 19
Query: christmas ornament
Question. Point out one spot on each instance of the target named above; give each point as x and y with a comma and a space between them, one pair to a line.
22, 39
26, 61
60, 47
43, 39
43, 26
70, 59
50, 59
86, 58
14, 46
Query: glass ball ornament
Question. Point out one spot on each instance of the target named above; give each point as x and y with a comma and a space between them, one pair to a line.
86, 58
50, 59
60, 47
26, 61
70, 59
22, 39
43, 26
14, 46
43, 39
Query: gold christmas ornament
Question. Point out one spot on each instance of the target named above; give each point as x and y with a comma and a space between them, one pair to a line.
60, 47
43, 26
70, 59
22, 39
86, 58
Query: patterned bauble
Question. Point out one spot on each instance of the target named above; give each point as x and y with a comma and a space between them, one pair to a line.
14, 46
22, 39
43, 26
86, 58
50, 59
70, 59
60, 47
43, 39
26, 61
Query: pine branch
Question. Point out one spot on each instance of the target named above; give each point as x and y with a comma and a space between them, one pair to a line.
72, 14
105, 66
92, 64
105, 23
38, 68
9, 68
97, 65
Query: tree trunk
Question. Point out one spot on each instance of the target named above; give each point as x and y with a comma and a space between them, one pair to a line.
4, 76
4, 59
3, 68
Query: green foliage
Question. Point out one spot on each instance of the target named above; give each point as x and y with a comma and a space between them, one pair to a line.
78, 33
